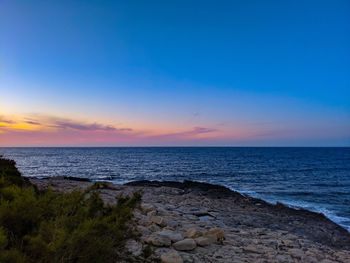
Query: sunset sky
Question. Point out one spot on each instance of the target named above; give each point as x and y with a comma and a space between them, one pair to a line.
177, 73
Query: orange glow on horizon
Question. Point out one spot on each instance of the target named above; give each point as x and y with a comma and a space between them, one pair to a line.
51, 130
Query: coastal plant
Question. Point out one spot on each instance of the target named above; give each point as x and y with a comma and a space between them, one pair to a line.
51, 226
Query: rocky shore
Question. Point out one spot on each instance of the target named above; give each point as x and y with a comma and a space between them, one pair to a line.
198, 222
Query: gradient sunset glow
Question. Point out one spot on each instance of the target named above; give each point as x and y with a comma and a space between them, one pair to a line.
177, 73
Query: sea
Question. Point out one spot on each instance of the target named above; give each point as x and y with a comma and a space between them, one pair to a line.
317, 179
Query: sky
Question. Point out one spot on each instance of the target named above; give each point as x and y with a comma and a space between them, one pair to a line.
174, 73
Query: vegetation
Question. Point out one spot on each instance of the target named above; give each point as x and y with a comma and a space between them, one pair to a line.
52, 226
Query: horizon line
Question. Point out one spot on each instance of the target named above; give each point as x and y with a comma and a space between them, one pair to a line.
172, 146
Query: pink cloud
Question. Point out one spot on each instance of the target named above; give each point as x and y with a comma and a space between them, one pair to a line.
33, 122
60, 123
200, 130
182, 136
82, 127
5, 120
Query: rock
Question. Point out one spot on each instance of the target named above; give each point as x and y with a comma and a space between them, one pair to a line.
255, 241
174, 236
143, 230
288, 243
191, 217
159, 240
220, 236
158, 220
169, 228
162, 211
189, 258
193, 233
158, 251
252, 249
144, 221
205, 240
171, 223
185, 245
200, 212
144, 239
154, 228
342, 256
147, 207
283, 258
134, 247
296, 253
328, 261
138, 215
172, 257
152, 213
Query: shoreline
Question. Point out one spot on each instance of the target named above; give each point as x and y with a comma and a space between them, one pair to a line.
254, 229
222, 188
244, 193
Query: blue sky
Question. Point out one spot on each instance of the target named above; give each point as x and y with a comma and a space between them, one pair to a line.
249, 72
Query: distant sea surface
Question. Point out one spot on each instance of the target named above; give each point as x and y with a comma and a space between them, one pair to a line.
317, 179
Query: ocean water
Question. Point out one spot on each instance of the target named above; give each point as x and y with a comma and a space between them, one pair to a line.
317, 179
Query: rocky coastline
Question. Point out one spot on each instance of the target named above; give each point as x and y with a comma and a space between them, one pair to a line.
199, 222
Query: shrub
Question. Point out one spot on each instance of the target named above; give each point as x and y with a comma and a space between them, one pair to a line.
52, 226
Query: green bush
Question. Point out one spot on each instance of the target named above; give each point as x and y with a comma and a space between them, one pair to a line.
52, 226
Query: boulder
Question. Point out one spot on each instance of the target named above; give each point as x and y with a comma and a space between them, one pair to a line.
154, 228
205, 240
171, 223
185, 245
158, 220
147, 208
134, 247
144, 231
193, 233
174, 236
159, 240
171, 257
217, 232
145, 221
